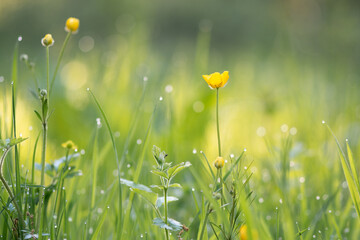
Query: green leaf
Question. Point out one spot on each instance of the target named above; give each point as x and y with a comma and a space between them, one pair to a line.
161, 188
58, 162
135, 185
45, 107
352, 166
177, 168
175, 185
10, 142
160, 173
49, 169
142, 190
172, 225
160, 200
74, 174
159, 155
347, 168
38, 115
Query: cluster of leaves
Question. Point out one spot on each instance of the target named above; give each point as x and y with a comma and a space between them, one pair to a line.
166, 172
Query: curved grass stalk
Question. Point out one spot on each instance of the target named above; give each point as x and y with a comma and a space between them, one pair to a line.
58, 62
12, 197
119, 225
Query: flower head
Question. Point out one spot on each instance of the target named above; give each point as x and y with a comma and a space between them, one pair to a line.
69, 145
47, 41
217, 80
244, 233
219, 162
72, 25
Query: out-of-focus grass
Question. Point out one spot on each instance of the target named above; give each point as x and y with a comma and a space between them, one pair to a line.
273, 106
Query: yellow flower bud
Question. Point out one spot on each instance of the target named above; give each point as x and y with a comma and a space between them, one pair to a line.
72, 25
216, 80
47, 41
219, 162
69, 145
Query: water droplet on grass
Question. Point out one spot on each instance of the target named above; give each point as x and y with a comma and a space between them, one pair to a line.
261, 131
301, 179
20, 38
168, 88
194, 151
293, 131
284, 128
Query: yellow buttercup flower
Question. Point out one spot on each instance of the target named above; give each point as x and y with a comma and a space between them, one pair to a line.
47, 41
69, 145
72, 25
217, 80
219, 162
244, 233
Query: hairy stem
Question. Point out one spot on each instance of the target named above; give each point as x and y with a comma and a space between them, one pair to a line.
217, 120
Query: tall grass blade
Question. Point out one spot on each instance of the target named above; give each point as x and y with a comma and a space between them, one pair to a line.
119, 225
348, 168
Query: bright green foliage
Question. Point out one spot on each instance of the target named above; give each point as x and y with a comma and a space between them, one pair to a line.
350, 172
166, 172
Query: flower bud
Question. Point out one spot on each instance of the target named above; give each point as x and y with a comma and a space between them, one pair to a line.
43, 93
24, 57
69, 145
216, 195
219, 162
47, 41
72, 25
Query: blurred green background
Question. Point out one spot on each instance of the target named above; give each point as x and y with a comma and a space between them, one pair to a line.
292, 64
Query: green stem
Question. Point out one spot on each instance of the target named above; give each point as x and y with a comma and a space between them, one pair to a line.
166, 213
59, 60
41, 196
205, 222
217, 120
48, 73
219, 143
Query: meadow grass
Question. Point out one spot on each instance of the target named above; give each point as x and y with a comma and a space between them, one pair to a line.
277, 181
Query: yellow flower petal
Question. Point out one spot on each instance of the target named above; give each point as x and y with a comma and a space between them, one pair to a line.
206, 77
216, 80
225, 78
